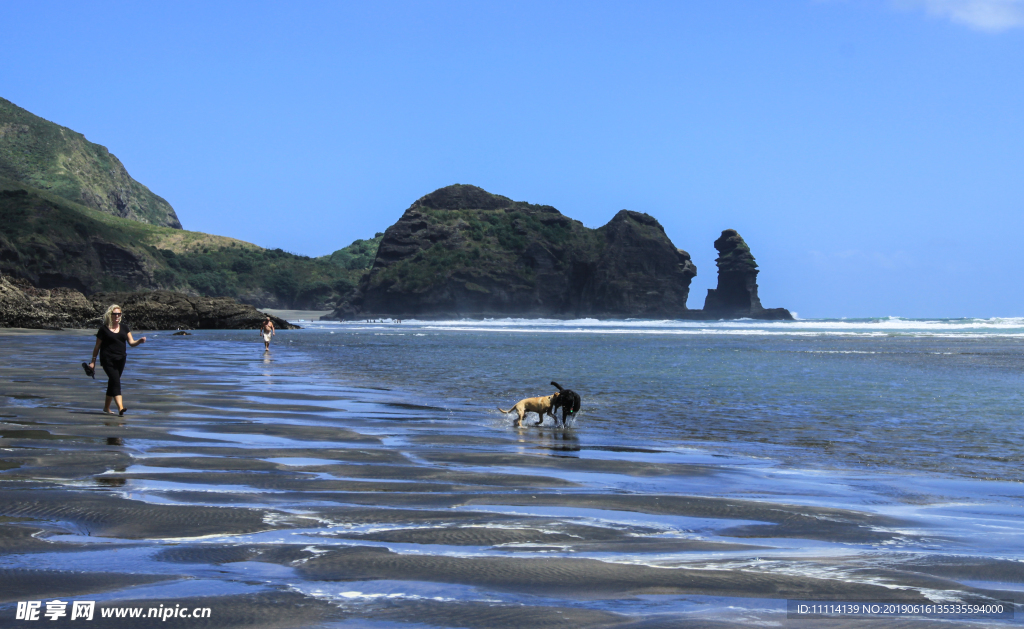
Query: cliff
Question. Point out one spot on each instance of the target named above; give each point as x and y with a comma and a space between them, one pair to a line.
23, 306
73, 217
736, 294
53, 242
51, 245
50, 157
463, 252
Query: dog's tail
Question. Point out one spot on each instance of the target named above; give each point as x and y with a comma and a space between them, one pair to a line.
504, 411
556, 385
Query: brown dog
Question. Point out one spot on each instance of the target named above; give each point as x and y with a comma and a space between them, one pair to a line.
539, 405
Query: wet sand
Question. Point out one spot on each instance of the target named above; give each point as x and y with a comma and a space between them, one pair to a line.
236, 482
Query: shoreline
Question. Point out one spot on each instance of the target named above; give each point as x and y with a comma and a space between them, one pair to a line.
770, 314
378, 503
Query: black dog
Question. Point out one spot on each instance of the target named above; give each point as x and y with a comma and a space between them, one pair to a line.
568, 400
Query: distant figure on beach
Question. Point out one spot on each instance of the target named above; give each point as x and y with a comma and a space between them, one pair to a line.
267, 331
111, 340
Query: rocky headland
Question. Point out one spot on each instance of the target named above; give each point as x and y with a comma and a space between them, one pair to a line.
50, 157
74, 219
462, 252
24, 306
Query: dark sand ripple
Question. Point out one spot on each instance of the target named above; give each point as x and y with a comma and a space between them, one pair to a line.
20, 585
788, 521
968, 568
105, 515
580, 578
23, 535
295, 432
352, 455
630, 468
33, 462
571, 538
287, 482
489, 615
222, 554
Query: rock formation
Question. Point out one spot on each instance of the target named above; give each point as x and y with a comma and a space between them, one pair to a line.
640, 273
463, 252
166, 310
23, 306
73, 218
736, 295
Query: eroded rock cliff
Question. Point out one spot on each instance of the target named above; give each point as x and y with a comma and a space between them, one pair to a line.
463, 252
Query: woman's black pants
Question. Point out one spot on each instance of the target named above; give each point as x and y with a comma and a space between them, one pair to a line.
113, 369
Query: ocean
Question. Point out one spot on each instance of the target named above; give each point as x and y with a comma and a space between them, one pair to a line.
716, 472
942, 396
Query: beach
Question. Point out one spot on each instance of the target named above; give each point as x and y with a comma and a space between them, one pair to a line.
360, 474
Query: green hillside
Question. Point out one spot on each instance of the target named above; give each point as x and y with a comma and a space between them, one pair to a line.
53, 242
488, 245
49, 157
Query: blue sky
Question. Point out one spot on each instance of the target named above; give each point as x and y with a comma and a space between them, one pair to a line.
871, 152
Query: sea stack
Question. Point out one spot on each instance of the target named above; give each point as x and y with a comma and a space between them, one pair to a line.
736, 295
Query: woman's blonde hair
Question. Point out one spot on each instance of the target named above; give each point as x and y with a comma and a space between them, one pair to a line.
107, 316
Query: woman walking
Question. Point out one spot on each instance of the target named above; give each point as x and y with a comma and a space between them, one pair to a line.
111, 339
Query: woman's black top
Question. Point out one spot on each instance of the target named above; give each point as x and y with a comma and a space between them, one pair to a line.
113, 346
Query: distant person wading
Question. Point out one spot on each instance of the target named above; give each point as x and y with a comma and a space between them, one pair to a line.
267, 331
111, 340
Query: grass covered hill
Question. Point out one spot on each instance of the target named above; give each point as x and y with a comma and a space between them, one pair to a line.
53, 242
462, 251
56, 159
